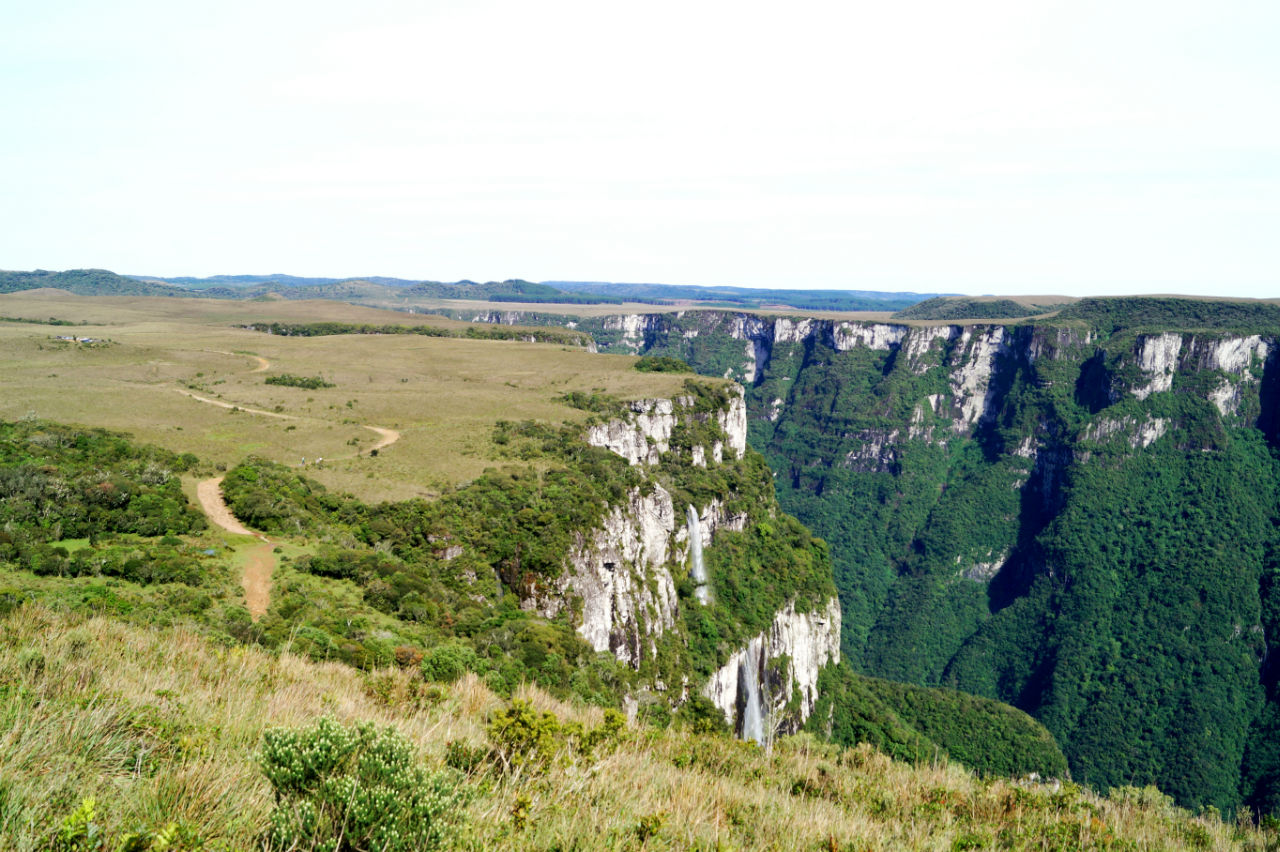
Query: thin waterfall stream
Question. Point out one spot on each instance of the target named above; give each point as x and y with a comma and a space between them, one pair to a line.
749, 693
697, 569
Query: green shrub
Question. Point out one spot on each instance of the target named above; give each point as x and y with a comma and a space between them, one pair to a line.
525, 739
447, 663
662, 364
290, 380
344, 789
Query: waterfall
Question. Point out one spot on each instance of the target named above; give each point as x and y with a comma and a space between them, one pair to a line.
749, 693
697, 570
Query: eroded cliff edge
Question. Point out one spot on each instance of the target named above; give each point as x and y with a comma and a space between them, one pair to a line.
631, 587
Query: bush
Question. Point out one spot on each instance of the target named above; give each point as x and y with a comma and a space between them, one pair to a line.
662, 364
447, 663
290, 380
344, 789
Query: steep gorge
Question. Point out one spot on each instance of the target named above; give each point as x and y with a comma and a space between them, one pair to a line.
1073, 515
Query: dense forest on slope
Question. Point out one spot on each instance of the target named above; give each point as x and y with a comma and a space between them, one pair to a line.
85, 282
1150, 313
960, 308
1076, 516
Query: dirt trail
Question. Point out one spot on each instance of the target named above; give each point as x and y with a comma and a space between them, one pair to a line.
389, 437
222, 404
263, 363
386, 437
261, 560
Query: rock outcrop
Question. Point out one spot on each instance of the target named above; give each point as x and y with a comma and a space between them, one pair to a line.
784, 662
621, 577
644, 436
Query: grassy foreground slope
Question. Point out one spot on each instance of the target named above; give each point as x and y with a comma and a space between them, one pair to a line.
164, 730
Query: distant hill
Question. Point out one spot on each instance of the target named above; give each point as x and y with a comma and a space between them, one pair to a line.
277, 279
966, 308
85, 282
747, 297
294, 287
101, 282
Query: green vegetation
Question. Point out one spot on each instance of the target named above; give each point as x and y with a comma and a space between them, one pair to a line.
165, 740
1161, 314
49, 321
290, 380
960, 308
914, 723
1121, 594
59, 482
84, 282
452, 572
472, 332
662, 364
348, 789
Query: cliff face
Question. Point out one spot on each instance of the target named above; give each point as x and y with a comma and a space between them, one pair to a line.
1076, 517
628, 583
779, 669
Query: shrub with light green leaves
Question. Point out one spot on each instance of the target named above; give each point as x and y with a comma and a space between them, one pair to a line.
342, 789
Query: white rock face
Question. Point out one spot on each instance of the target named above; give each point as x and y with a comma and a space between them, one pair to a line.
1235, 356
810, 640
919, 343
621, 573
973, 366
1226, 397
632, 326
981, 572
645, 436
848, 335
734, 423
715, 517
1230, 354
877, 449
759, 336
1158, 357
786, 330
1137, 435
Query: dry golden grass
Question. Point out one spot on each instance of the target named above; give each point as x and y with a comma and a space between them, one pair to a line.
161, 726
442, 394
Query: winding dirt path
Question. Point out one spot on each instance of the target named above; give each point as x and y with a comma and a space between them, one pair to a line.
222, 404
388, 437
260, 561
263, 363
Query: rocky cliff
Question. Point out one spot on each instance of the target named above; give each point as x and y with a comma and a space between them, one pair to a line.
778, 671
1073, 514
622, 582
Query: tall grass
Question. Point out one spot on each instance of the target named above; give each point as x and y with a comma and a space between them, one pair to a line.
161, 726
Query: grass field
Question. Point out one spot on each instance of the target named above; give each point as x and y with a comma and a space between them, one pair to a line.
163, 727
442, 394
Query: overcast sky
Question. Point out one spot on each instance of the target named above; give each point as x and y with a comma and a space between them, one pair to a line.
986, 146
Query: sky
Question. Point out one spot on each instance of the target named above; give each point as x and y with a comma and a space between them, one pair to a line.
990, 146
